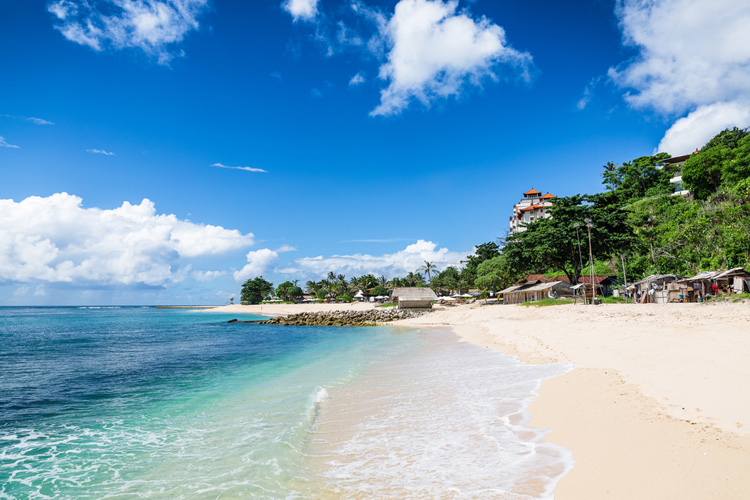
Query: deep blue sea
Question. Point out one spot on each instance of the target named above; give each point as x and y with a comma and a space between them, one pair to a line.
137, 402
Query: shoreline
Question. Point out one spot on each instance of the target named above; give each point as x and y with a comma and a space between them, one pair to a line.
657, 405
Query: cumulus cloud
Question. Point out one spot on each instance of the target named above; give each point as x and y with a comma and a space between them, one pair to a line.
301, 10
55, 239
433, 52
149, 25
258, 262
691, 53
100, 152
696, 129
205, 276
393, 264
357, 79
5, 144
246, 169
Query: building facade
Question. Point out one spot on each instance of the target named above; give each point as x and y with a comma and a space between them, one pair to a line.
533, 206
676, 180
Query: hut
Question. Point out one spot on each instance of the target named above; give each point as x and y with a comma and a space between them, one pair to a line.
531, 292
415, 296
735, 280
653, 288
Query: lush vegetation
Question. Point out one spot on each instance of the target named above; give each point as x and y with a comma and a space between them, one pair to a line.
254, 291
635, 224
638, 222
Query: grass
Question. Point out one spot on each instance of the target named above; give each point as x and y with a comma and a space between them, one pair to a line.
739, 297
613, 300
388, 304
548, 302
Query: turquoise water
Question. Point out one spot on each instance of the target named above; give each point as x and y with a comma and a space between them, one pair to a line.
147, 403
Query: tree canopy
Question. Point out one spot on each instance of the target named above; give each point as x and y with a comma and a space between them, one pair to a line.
255, 290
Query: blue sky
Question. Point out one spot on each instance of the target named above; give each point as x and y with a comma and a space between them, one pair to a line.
346, 114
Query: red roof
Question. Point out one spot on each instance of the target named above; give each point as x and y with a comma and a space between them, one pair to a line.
562, 278
533, 191
548, 196
532, 207
597, 279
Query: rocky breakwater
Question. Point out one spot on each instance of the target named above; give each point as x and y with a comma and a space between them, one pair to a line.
372, 317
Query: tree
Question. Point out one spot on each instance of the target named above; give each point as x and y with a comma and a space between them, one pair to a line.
482, 252
282, 291
231, 300
428, 267
638, 178
552, 244
379, 291
494, 274
255, 290
294, 293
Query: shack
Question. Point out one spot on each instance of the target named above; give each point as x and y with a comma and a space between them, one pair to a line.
701, 286
653, 289
413, 297
735, 280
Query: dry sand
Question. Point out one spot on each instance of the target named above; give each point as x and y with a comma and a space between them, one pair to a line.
658, 406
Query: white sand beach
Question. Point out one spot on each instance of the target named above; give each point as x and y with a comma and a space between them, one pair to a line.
657, 406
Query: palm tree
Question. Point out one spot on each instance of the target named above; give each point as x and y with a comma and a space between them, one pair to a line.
383, 281
428, 267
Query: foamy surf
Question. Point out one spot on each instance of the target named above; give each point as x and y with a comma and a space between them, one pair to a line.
446, 420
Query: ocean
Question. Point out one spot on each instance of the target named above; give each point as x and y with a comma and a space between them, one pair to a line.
137, 402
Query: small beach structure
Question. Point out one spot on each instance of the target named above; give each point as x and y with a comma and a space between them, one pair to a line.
653, 289
413, 296
533, 291
701, 286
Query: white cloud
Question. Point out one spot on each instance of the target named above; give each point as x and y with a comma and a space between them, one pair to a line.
691, 53
394, 264
37, 121
100, 152
246, 169
696, 129
357, 79
304, 10
434, 52
205, 276
55, 239
4, 144
150, 25
32, 119
258, 263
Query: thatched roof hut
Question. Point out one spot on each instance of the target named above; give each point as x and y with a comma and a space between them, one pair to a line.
413, 296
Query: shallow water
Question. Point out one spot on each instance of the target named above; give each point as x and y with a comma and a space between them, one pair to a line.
146, 403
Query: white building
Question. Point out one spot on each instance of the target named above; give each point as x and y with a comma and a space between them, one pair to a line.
533, 206
676, 180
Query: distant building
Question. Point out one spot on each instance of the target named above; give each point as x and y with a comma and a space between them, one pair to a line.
410, 297
533, 206
676, 180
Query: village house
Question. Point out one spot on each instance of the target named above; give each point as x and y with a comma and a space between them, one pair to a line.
533, 206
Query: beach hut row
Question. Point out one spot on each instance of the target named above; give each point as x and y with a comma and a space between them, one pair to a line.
665, 288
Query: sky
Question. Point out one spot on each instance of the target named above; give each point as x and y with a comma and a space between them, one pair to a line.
164, 151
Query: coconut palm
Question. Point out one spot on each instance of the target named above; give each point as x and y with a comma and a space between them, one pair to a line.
428, 267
